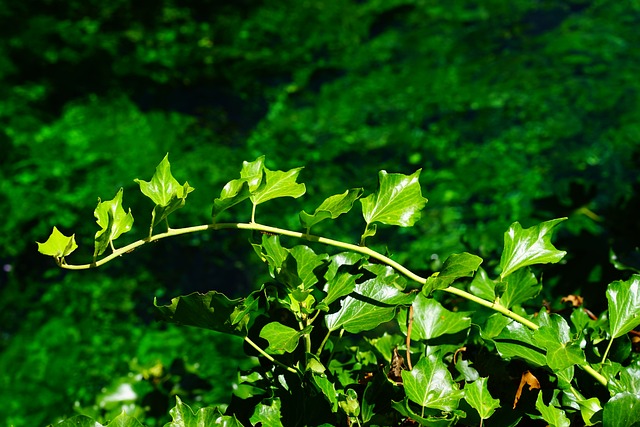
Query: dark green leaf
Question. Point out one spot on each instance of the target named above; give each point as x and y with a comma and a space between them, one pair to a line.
282, 338
332, 207
212, 310
629, 380
445, 420
431, 319
554, 416
398, 200
455, 267
278, 184
112, 220
516, 340
374, 302
624, 305
523, 247
553, 335
58, 245
622, 410
519, 287
429, 384
482, 286
478, 396
267, 413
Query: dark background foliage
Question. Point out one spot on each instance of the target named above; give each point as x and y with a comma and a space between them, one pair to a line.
515, 110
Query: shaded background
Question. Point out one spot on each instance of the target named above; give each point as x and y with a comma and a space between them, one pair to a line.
522, 110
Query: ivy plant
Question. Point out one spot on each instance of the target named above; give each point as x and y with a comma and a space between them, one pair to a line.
347, 336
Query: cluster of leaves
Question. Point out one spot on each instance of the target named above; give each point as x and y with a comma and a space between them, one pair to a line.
353, 337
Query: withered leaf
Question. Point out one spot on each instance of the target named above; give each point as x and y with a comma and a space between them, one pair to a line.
529, 379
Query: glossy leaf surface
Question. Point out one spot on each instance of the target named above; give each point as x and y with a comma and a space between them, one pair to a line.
331, 208
278, 184
113, 221
622, 410
478, 396
556, 417
267, 413
431, 319
554, 336
58, 245
398, 200
281, 337
183, 416
237, 190
455, 267
523, 247
517, 340
519, 287
430, 384
624, 305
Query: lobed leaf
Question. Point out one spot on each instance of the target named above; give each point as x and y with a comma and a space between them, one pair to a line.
58, 245
523, 247
183, 416
554, 336
516, 340
266, 413
624, 305
238, 190
278, 184
478, 397
398, 201
331, 208
113, 221
455, 267
429, 384
556, 417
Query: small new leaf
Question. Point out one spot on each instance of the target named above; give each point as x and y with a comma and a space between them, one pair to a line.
58, 245
529, 246
398, 200
113, 221
332, 207
238, 190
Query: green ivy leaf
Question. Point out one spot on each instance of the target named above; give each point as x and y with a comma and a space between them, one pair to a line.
624, 305
554, 336
271, 252
332, 208
523, 247
58, 245
308, 262
349, 403
327, 388
431, 319
165, 191
373, 302
266, 413
213, 311
622, 410
183, 416
398, 201
113, 221
455, 267
282, 338
482, 286
430, 384
278, 184
239, 190
554, 416
445, 420
519, 287
79, 421
478, 397
340, 277
516, 340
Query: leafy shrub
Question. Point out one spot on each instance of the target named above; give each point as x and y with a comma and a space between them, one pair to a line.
352, 336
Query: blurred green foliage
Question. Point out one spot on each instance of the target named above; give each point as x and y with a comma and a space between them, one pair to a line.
514, 110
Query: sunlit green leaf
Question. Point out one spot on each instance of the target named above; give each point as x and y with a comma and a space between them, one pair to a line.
622, 410
58, 245
445, 419
624, 305
398, 200
237, 190
478, 396
529, 246
281, 337
455, 267
332, 207
554, 336
482, 286
516, 340
113, 221
183, 416
373, 302
82, 421
430, 384
267, 413
327, 388
431, 319
278, 184
519, 287
341, 279
349, 403
307, 264
556, 417
165, 191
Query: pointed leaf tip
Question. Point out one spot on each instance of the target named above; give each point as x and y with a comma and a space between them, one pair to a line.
58, 245
523, 247
113, 220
